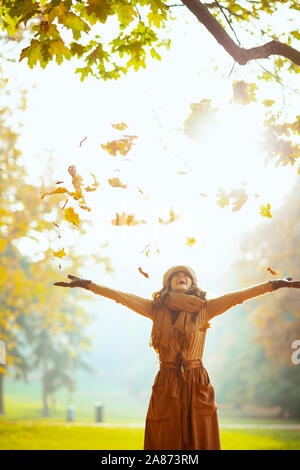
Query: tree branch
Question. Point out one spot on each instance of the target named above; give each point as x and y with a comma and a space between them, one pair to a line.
239, 54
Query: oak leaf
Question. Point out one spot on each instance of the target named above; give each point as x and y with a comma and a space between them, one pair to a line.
120, 126
171, 219
71, 216
265, 210
116, 183
59, 254
190, 241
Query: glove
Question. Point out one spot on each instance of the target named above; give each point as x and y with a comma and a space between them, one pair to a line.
75, 282
286, 282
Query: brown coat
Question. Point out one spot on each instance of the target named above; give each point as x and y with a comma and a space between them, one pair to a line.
182, 412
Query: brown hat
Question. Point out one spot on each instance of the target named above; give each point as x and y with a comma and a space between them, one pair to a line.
174, 269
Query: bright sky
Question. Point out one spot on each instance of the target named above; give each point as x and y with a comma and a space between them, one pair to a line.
155, 103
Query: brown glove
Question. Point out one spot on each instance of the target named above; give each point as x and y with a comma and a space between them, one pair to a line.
75, 282
286, 282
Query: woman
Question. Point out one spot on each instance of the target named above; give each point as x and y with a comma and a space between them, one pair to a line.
182, 413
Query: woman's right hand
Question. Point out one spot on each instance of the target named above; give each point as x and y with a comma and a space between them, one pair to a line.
75, 282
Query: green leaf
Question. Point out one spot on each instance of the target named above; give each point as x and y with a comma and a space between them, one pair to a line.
98, 10
75, 23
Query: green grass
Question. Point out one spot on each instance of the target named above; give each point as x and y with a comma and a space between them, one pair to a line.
68, 436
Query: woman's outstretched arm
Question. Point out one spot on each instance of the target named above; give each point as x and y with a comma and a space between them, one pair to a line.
225, 302
134, 302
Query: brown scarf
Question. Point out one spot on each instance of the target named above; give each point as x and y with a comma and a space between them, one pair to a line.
191, 318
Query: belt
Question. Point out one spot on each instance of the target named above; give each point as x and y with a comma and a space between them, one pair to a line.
180, 365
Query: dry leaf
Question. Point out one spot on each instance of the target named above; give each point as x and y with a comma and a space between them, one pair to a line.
172, 218
190, 241
142, 272
116, 183
59, 254
265, 211
56, 191
71, 216
120, 126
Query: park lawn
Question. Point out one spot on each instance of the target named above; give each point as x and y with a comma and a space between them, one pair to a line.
68, 436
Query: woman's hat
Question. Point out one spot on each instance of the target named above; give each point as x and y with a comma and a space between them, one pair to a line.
174, 269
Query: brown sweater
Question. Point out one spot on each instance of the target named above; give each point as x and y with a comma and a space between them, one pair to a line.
214, 307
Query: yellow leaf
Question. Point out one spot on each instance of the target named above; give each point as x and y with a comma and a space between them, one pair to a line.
71, 216
171, 219
223, 198
86, 208
56, 191
265, 211
116, 183
190, 241
268, 103
120, 126
59, 254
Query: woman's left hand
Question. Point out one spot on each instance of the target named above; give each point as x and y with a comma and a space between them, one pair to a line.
286, 282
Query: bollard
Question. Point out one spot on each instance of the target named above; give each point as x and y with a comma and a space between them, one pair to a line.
70, 413
99, 413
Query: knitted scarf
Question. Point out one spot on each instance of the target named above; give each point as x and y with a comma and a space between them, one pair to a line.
191, 318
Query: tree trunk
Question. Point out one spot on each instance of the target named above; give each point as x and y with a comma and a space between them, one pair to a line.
2, 412
45, 412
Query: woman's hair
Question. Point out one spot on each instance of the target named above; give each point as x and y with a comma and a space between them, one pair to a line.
158, 297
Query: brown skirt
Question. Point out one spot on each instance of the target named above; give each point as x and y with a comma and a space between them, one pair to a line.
182, 413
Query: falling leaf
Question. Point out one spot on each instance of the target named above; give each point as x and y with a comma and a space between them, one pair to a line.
142, 272
223, 198
265, 211
71, 216
203, 194
72, 170
59, 182
94, 185
81, 142
56, 225
172, 218
116, 183
190, 241
120, 126
268, 103
148, 250
56, 191
243, 92
271, 271
59, 254
240, 197
86, 208
121, 146
182, 173
125, 219
256, 195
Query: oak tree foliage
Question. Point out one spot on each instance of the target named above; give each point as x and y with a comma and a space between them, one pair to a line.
61, 29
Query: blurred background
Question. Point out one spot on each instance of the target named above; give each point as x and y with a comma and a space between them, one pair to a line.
202, 165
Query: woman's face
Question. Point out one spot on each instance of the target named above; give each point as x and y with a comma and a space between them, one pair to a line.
180, 281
